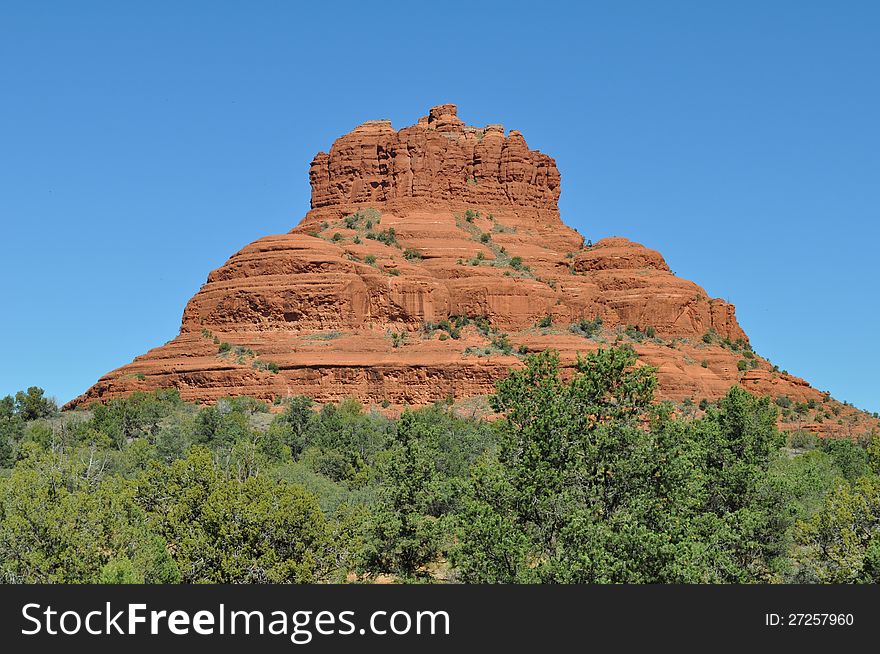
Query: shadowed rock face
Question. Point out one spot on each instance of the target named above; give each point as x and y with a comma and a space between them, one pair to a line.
412, 227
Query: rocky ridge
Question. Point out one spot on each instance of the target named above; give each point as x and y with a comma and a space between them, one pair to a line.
433, 258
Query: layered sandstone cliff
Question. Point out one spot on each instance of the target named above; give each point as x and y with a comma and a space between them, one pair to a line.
432, 260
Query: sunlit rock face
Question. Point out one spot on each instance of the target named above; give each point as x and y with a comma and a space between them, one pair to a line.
413, 227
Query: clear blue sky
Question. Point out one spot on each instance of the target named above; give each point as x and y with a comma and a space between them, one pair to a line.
141, 144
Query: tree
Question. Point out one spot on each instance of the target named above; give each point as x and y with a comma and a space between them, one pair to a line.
342, 441
11, 431
852, 460
592, 483
873, 452
227, 530
31, 405
841, 542
739, 516
292, 425
566, 460
60, 523
221, 425
405, 530
137, 416
494, 545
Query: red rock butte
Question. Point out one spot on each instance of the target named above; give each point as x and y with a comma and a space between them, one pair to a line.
433, 258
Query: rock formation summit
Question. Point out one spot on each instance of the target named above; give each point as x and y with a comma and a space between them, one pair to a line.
432, 259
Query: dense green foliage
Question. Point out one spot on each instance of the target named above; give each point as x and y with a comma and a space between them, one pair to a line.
581, 479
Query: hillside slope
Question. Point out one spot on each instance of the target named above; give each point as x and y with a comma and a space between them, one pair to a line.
432, 259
